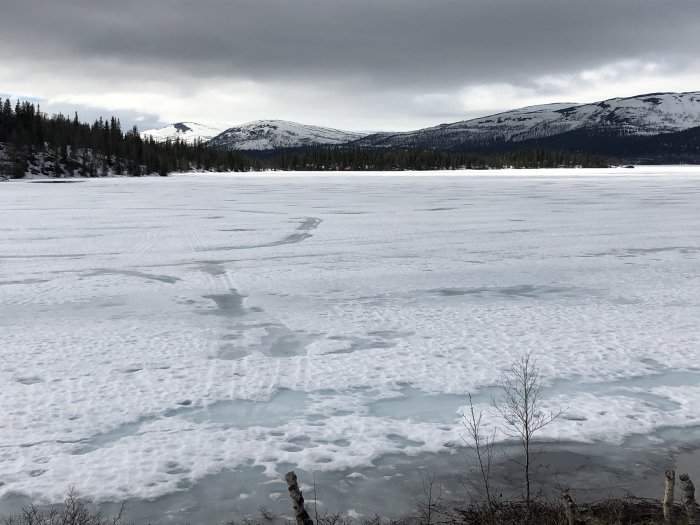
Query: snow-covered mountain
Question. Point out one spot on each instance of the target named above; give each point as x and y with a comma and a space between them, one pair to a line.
535, 126
277, 134
642, 115
185, 131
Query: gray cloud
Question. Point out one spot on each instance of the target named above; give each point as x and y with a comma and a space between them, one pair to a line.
418, 41
350, 47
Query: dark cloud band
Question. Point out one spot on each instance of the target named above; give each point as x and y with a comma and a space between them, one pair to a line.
447, 42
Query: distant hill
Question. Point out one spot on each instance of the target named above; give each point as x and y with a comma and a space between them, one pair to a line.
654, 127
642, 115
188, 132
672, 148
279, 134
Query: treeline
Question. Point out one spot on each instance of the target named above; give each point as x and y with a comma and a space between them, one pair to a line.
339, 158
58, 145
681, 147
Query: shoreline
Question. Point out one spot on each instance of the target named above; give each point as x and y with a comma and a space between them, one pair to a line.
640, 170
393, 486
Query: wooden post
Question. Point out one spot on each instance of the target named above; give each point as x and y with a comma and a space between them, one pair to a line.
568, 503
668, 496
691, 506
300, 513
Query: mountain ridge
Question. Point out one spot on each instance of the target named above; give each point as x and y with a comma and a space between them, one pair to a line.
185, 131
646, 114
278, 134
548, 126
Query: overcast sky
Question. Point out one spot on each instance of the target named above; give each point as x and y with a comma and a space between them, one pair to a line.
353, 64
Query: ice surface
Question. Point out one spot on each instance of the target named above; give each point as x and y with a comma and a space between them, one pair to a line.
158, 332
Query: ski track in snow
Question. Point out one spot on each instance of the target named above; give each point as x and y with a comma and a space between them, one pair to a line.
158, 331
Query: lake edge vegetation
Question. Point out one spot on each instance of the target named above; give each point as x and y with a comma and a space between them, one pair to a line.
522, 414
36, 144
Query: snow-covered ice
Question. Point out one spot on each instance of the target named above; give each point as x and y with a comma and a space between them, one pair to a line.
158, 331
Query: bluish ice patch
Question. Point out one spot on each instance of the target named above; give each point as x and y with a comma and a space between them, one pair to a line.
417, 405
105, 439
132, 273
283, 406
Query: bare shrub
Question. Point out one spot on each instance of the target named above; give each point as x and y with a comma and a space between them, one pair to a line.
74, 511
521, 407
480, 456
428, 504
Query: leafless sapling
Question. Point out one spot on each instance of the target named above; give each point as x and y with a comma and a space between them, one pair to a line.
521, 407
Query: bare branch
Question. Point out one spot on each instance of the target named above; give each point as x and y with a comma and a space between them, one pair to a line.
520, 406
482, 448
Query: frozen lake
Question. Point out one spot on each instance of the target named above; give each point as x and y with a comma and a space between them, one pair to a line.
159, 333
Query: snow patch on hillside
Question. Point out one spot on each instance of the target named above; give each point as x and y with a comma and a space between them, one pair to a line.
642, 115
185, 131
275, 134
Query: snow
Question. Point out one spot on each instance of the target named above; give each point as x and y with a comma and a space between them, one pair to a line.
274, 134
648, 114
158, 331
186, 131
641, 115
